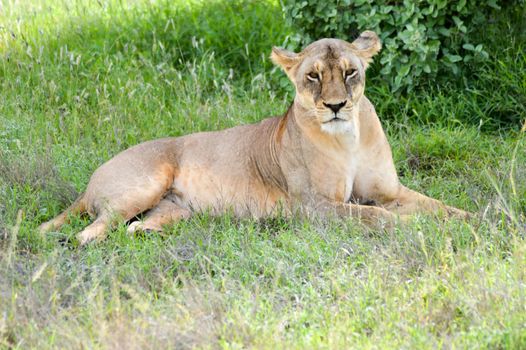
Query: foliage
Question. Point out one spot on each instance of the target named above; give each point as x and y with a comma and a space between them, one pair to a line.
420, 38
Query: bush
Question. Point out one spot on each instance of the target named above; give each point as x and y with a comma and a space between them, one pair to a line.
425, 38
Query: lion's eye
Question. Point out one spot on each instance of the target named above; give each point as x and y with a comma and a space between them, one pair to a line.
313, 76
351, 74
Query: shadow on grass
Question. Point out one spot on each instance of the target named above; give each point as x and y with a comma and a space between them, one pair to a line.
240, 33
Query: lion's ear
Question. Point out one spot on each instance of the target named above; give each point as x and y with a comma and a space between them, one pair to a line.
284, 58
366, 46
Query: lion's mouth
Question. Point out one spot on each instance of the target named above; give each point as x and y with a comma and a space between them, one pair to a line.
335, 119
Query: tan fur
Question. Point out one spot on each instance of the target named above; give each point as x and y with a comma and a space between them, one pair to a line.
327, 154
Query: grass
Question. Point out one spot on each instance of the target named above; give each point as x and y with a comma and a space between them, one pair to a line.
81, 81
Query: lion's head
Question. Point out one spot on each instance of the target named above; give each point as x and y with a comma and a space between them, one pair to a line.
329, 76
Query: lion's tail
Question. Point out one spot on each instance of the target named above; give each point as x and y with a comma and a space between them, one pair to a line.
78, 207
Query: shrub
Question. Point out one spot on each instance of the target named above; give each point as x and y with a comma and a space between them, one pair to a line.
420, 38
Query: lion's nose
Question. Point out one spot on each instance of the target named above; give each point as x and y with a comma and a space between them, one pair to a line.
335, 107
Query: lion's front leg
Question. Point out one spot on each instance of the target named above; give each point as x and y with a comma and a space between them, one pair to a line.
372, 216
409, 202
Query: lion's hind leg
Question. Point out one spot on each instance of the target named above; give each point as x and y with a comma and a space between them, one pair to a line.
164, 213
78, 207
97, 230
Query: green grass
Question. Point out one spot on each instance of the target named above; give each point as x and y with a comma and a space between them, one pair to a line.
81, 81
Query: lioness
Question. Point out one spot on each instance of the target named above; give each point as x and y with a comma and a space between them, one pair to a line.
327, 153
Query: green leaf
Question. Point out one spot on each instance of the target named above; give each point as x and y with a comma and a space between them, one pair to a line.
444, 32
461, 4
457, 21
404, 70
493, 3
427, 68
429, 10
453, 58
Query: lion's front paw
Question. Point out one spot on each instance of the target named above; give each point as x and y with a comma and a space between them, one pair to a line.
141, 226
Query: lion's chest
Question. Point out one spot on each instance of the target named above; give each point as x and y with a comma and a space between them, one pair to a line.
334, 177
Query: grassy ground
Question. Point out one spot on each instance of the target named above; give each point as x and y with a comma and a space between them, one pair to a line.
82, 80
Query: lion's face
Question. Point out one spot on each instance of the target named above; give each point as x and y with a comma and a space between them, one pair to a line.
329, 76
